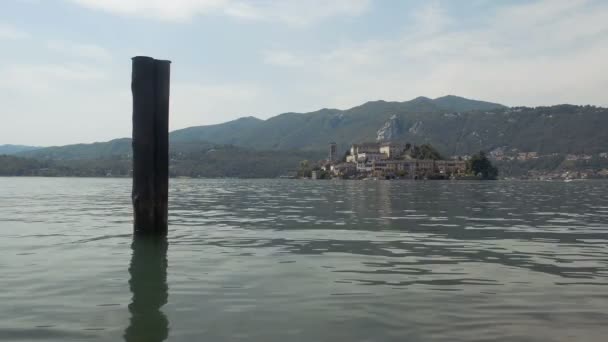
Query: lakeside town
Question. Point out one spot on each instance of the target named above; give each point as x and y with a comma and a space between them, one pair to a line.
551, 166
392, 160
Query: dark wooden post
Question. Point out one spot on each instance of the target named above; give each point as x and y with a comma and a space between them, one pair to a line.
150, 86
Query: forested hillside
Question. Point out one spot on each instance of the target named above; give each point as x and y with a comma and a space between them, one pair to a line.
456, 126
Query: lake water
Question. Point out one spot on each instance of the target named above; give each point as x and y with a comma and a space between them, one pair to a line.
289, 260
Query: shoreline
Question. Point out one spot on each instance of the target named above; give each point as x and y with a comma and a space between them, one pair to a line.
333, 179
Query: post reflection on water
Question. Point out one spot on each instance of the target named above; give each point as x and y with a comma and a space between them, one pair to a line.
149, 289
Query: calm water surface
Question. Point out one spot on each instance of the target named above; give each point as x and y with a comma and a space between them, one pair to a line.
286, 260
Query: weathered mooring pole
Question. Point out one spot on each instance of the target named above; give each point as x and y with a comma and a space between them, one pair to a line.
150, 86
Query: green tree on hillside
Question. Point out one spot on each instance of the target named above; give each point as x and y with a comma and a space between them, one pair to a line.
425, 151
480, 165
305, 169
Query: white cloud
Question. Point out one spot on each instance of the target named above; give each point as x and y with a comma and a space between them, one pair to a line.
73, 103
431, 18
291, 12
282, 58
61, 103
87, 51
47, 77
8, 32
541, 53
535, 53
174, 10
296, 12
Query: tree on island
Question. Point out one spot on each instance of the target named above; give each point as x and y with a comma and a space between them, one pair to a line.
305, 169
480, 165
425, 151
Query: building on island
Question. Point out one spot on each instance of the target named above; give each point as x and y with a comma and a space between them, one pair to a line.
386, 160
364, 148
391, 150
364, 166
454, 167
391, 160
394, 168
344, 169
333, 152
371, 156
425, 167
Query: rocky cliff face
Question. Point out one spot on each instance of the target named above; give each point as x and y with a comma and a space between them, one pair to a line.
416, 128
391, 130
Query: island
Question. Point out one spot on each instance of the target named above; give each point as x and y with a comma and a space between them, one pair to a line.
394, 160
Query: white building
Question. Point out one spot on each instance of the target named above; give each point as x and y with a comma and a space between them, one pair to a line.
371, 156
364, 148
364, 166
391, 150
344, 169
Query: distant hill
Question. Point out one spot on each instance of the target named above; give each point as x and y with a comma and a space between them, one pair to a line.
113, 149
194, 159
226, 133
116, 148
454, 125
13, 149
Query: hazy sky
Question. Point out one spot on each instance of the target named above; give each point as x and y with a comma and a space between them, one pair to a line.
65, 64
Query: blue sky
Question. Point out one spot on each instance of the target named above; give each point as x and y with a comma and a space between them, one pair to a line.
65, 64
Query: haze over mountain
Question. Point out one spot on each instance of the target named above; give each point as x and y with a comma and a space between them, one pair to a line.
250, 147
454, 125
13, 149
313, 131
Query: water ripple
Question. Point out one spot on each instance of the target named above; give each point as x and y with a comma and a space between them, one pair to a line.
275, 260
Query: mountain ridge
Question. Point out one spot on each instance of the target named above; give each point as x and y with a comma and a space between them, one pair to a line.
9, 149
313, 130
454, 125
